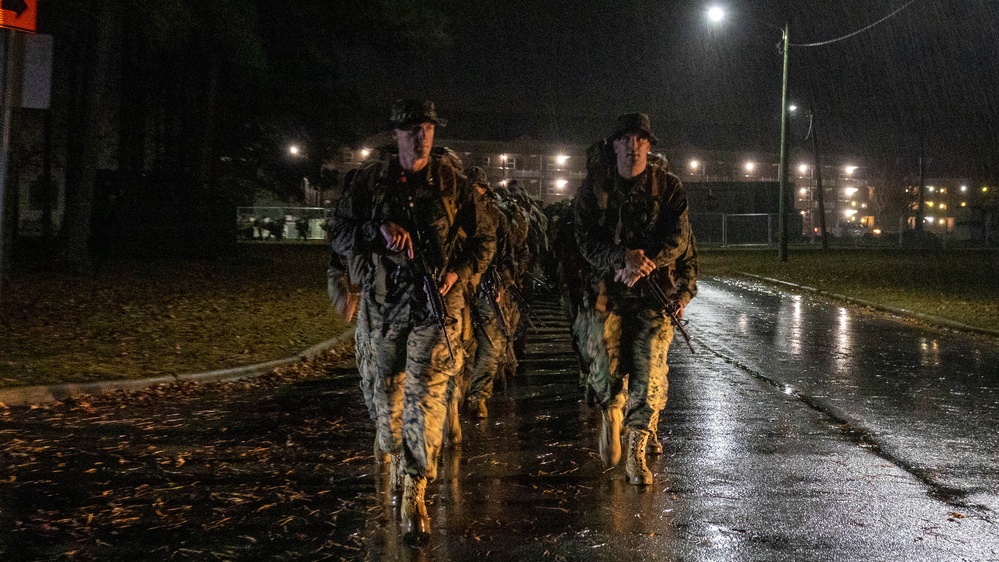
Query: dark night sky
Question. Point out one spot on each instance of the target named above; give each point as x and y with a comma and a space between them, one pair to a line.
563, 70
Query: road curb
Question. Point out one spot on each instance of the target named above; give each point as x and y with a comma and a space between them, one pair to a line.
928, 318
42, 394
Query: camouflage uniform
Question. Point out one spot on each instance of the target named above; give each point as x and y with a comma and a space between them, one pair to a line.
519, 255
620, 331
344, 276
407, 360
492, 336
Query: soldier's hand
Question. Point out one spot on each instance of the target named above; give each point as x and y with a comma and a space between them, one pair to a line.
345, 299
679, 311
447, 281
624, 275
636, 261
397, 239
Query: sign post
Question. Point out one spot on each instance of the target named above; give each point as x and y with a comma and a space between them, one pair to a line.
20, 15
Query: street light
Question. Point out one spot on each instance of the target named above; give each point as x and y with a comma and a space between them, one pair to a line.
293, 150
716, 14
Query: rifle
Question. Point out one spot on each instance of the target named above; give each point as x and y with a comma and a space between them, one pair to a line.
519, 297
670, 307
489, 284
541, 283
438, 309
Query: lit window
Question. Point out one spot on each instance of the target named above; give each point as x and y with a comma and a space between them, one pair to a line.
803, 169
943, 190
803, 191
694, 164
943, 207
560, 184
964, 204
750, 166
850, 170
941, 221
930, 188
561, 159
850, 191
853, 203
964, 188
929, 203
365, 152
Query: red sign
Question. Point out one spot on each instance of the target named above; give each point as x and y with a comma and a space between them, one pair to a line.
19, 14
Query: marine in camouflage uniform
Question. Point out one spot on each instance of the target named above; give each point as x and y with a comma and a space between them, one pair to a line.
492, 328
409, 214
519, 227
523, 233
632, 227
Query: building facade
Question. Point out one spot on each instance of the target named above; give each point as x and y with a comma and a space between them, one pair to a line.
736, 183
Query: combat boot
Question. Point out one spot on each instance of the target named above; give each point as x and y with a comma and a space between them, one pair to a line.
479, 410
655, 445
396, 476
610, 436
415, 521
638, 474
452, 423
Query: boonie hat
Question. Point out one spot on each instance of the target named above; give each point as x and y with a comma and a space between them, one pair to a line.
410, 111
635, 123
477, 176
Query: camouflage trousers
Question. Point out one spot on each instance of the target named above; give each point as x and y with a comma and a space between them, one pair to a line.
516, 320
624, 354
408, 368
490, 345
363, 356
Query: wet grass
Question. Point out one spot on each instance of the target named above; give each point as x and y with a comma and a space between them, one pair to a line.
961, 285
136, 319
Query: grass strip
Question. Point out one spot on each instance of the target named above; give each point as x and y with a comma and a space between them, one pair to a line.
136, 319
961, 285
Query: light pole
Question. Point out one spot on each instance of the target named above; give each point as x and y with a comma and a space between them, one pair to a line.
782, 172
716, 15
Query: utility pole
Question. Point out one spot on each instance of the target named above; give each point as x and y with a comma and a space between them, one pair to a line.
818, 179
782, 173
921, 197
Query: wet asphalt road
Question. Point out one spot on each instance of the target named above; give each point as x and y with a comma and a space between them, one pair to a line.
800, 430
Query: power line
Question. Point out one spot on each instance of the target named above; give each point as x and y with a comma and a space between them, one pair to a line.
851, 34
